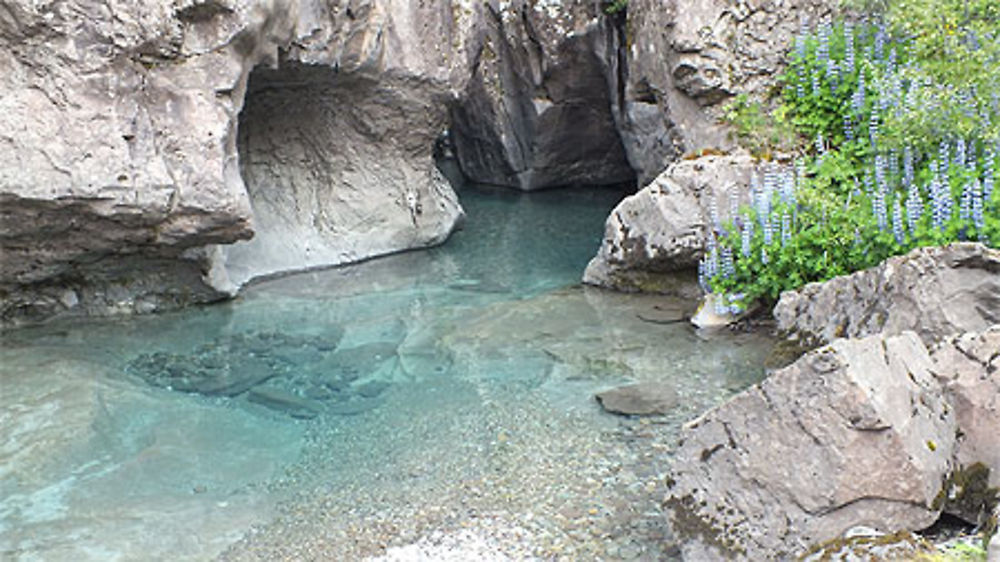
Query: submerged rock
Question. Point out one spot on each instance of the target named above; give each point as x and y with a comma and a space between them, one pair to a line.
935, 291
285, 402
855, 433
641, 399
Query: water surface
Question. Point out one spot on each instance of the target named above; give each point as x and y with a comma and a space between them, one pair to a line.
336, 413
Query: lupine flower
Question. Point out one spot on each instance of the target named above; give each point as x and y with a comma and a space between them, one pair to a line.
878, 209
907, 166
746, 237
989, 172
848, 128
960, 153
728, 266
914, 206
897, 221
977, 209
786, 228
880, 37
713, 213
873, 130
858, 99
965, 206
734, 303
703, 275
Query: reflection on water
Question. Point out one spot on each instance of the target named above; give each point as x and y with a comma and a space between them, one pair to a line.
168, 437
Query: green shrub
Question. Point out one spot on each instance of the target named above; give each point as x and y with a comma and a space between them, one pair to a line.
898, 130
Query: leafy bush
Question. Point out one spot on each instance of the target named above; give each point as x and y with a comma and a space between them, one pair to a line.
899, 132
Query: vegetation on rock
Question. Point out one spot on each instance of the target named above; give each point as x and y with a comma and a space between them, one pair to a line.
896, 136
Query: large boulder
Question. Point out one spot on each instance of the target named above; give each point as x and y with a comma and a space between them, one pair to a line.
685, 58
935, 291
662, 229
968, 365
537, 111
855, 433
121, 165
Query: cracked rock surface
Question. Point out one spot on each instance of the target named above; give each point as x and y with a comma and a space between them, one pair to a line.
935, 291
876, 433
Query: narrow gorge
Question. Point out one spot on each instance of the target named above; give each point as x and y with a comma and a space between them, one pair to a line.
395, 280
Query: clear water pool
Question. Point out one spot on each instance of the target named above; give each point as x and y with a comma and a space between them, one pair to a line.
346, 413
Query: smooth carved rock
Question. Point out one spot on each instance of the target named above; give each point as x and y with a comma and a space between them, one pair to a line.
936, 292
661, 230
640, 399
855, 433
120, 167
537, 111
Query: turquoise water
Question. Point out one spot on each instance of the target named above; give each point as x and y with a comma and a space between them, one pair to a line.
349, 410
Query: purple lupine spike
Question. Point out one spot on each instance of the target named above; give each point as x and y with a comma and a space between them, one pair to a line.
880, 37
908, 166
965, 205
897, 221
713, 214
728, 265
848, 128
960, 155
786, 228
858, 99
989, 172
914, 206
703, 276
978, 220
746, 238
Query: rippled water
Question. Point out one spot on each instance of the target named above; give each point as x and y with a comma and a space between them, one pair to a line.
337, 412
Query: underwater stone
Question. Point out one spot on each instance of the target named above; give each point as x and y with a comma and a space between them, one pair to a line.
641, 399
285, 402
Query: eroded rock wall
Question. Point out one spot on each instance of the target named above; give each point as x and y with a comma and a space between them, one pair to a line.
687, 58
537, 111
119, 172
336, 143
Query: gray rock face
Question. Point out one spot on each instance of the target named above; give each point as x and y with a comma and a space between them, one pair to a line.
855, 433
120, 167
934, 291
969, 366
661, 230
537, 111
686, 57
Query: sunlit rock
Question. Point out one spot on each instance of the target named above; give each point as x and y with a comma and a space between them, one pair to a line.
662, 229
855, 433
934, 291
